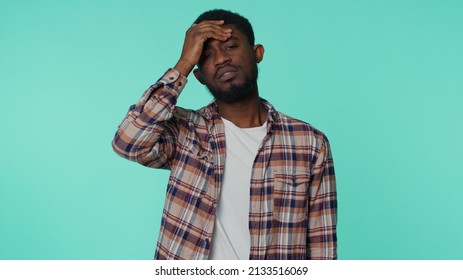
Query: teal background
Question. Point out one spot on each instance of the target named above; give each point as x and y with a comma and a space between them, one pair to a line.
383, 79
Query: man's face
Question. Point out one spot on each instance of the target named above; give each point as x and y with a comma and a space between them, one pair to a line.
229, 68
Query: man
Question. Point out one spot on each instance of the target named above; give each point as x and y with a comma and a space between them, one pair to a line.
246, 181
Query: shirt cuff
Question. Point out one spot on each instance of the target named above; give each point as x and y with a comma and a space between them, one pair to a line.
172, 79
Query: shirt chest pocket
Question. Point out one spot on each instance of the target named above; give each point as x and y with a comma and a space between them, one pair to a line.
290, 197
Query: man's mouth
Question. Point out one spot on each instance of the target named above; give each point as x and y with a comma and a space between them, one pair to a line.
226, 73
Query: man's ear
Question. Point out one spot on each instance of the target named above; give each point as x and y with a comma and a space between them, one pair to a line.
198, 76
258, 52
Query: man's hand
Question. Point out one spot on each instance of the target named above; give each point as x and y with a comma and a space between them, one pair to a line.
195, 37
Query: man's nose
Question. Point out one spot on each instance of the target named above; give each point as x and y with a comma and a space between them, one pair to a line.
221, 57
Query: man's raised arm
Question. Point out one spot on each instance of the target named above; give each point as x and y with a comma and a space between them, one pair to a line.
148, 134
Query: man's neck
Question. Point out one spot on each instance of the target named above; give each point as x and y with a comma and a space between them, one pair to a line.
245, 113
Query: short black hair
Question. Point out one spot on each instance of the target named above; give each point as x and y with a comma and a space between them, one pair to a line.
237, 20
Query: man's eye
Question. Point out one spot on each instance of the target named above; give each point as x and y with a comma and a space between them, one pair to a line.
206, 55
231, 47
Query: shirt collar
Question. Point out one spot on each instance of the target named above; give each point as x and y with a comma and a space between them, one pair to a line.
210, 112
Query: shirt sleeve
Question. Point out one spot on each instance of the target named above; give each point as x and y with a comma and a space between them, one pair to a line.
148, 133
321, 237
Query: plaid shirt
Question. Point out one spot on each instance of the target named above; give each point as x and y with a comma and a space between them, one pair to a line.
292, 211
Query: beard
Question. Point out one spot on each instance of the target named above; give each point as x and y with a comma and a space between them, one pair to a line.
236, 91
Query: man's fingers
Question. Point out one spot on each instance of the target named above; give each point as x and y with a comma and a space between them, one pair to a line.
209, 27
213, 34
210, 24
212, 31
219, 22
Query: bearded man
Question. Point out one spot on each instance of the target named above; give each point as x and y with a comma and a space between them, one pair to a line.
246, 181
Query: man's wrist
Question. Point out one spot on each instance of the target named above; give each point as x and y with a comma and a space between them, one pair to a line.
184, 67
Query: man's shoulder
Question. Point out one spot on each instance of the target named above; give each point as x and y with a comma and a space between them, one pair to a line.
299, 135
188, 113
293, 124
196, 116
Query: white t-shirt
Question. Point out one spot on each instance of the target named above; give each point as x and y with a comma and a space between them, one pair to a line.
231, 238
